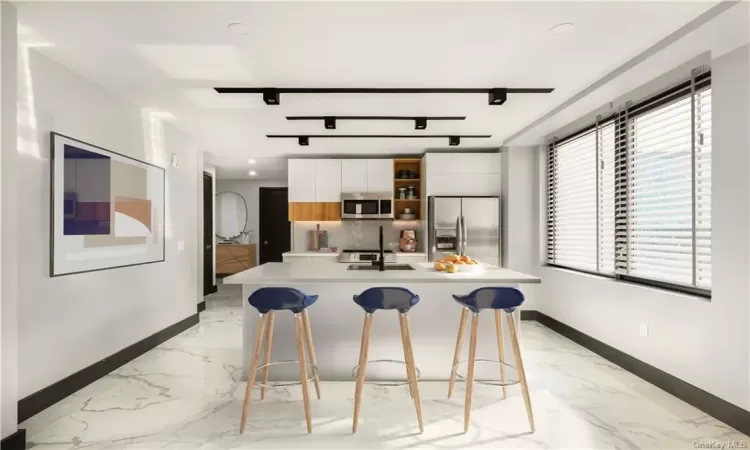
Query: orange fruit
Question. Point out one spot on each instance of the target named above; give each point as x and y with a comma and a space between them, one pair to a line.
451, 268
439, 266
465, 259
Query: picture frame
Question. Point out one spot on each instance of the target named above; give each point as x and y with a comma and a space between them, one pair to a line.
107, 210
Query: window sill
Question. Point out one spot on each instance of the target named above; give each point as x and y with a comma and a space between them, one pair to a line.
651, 286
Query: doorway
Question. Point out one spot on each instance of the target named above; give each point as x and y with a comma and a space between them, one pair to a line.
209, 285
273, 223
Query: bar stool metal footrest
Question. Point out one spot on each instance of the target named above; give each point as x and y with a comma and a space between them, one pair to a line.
509, 381
355, 373
313, 373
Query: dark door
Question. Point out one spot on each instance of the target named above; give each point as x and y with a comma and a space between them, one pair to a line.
208, 235
275, 230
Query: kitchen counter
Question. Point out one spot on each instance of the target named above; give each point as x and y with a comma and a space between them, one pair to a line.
311, 253
275, 273
337, 321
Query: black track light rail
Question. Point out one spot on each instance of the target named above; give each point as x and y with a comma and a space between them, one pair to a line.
260, 90
420, 123
453, 139
376, 117
272, 95
374, 136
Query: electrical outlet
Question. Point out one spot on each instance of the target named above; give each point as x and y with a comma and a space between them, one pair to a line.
180, 246
644, 329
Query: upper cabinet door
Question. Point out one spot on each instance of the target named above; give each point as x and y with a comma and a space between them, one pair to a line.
301, 180
354, 176
463, 163
327, 180
380, 176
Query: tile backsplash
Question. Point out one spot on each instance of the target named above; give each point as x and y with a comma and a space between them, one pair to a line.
354, 234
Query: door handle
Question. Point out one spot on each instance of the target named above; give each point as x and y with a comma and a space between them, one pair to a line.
208, 247
265, 242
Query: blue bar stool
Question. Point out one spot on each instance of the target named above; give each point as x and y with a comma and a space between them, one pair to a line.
267, 301
496, 298
372, 300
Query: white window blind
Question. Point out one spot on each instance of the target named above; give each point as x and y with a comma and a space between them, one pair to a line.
581, 208
630, 196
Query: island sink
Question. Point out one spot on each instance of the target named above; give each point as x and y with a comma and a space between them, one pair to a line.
376, 268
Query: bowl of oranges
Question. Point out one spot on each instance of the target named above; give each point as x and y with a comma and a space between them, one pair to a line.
456, 263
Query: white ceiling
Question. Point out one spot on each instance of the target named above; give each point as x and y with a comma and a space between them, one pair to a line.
168, 56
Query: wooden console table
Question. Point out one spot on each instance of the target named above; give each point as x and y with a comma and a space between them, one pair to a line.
234, 258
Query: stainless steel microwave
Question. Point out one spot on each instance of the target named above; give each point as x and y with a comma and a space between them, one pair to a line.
367, 206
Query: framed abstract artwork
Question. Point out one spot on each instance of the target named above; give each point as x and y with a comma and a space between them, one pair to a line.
107, 209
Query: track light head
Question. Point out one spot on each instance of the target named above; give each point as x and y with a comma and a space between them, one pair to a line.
330, 122
271, 96
420, 123
304, 140
498, 96
454, 140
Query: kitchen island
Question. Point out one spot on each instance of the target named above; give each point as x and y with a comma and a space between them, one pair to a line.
337, 321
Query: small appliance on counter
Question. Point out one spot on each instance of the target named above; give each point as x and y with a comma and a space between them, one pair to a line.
408, 241
355, 256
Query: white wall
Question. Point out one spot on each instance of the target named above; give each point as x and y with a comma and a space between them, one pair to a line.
8, 163
520, 213
68, 323
706, 343
249, 189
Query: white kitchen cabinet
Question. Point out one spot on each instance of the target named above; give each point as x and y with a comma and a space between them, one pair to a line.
327, 180
463, 163
354, 176
380, 176
301, 180
463, 174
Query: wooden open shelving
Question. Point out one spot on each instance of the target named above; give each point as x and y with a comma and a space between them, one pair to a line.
413, 165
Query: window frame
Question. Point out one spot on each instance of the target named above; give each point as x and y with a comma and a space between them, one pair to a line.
621, 121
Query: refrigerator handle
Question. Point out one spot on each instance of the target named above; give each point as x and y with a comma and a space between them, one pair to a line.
465, 236
459, 236
431, 245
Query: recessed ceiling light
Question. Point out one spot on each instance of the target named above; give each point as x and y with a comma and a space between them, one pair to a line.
252, 173
238, 29
251, 161
563, 28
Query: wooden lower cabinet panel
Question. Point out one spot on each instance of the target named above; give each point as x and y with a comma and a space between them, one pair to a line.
311, 211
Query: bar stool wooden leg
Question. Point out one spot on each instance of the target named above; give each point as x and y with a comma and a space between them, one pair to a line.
457, 354
311, 351
470, 372
267, 358
362, 368
500, 348
299, 331
521, 371
404, 345
411, 367
253, 371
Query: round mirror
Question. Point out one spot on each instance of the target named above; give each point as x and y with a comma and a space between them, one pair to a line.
231, 216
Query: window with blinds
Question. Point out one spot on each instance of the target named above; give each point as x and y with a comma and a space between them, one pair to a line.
630, 195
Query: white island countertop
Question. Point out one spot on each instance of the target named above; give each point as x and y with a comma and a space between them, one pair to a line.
277, 273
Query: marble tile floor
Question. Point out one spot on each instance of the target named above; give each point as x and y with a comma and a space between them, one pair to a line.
187, 394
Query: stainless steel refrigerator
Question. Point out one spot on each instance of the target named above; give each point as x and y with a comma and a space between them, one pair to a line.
464, 226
